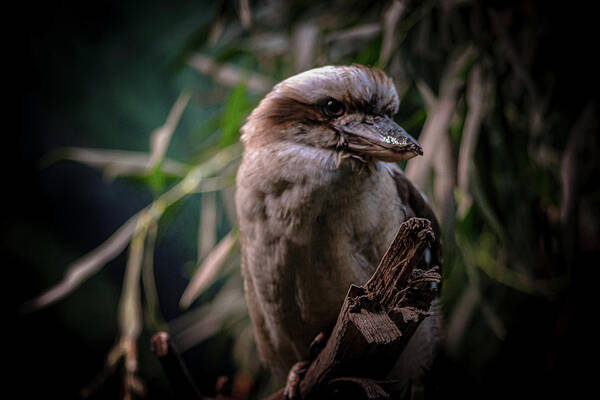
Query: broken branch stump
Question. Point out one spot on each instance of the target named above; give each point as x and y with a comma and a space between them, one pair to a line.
376, 320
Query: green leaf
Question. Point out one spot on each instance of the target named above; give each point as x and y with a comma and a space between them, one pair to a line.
156, 180
416, 121
235, 110
370, 55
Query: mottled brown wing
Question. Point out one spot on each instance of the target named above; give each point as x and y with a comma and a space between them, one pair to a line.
418, 206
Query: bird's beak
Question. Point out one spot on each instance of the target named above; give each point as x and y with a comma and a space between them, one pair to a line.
380, 137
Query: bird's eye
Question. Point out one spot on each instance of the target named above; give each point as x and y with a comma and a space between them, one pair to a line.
333, 108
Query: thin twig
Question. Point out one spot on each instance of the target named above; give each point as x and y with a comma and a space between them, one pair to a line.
230, 75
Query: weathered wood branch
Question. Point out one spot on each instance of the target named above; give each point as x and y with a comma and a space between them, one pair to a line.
376, 320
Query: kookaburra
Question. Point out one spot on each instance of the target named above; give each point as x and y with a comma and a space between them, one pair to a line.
319, 200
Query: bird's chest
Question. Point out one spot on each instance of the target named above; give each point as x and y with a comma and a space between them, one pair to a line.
306, 239
345, 246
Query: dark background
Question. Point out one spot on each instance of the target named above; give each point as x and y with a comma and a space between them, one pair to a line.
104, 75
96, 75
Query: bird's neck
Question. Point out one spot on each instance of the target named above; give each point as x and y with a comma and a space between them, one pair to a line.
317, 168
304, 191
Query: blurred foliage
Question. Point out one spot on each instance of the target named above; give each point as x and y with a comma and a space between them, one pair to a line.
482, 87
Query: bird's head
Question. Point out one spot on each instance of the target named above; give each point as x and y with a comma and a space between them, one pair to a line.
344, 108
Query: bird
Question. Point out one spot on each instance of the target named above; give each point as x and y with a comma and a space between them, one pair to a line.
319, 198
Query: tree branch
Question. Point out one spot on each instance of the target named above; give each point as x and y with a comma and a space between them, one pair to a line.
377, 320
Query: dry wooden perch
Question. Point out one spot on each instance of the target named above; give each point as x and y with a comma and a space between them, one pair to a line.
375, 322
